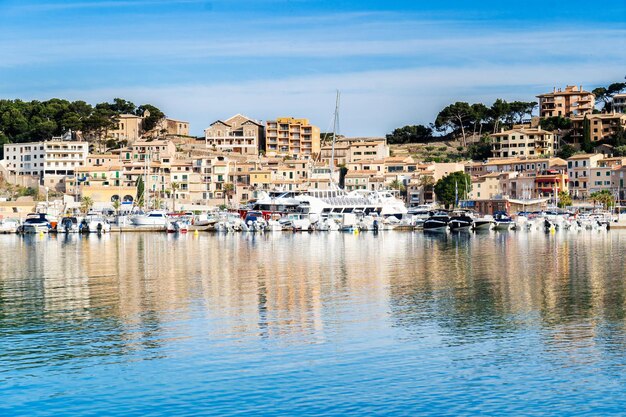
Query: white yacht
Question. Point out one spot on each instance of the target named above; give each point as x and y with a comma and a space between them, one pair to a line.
9, 225
152, 218
35, 223
94, 223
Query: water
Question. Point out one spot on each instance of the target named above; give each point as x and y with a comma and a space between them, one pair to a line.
310, 324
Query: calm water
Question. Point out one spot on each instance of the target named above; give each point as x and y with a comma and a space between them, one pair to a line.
300, 324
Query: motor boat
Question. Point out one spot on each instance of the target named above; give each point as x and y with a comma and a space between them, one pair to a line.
483, 223
68, 224
35, 223
94, 223
461, 220
503, 222
9, 225
438, 222
152, 218
178, 226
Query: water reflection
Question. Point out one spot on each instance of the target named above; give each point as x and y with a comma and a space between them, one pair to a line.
137, 297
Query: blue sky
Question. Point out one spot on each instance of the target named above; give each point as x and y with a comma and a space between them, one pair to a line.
395, 62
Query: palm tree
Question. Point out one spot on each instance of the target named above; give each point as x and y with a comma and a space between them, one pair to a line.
116, 205
175, 186
427, 183
86, 203
229, 189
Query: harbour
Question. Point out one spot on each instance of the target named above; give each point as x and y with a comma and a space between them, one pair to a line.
231, 323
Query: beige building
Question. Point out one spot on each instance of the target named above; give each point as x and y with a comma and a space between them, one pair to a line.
128, 128
368, 150
485, 187
529, 142
342, 154
573, 101
292, 137
602, 126
172, 127
522, 164
239, 134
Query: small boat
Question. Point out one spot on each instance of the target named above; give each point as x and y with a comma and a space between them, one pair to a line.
483, 223
461, 220
177, 226
9, 226
438, 222
503, 222
93, 223
68, 225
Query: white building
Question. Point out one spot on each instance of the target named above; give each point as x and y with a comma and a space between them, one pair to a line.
24, 158
51, 161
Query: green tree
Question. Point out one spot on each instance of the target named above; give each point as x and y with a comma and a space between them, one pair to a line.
619, 150
499, 109
480, 115
398, 185
116, 205
555, 123
410, 134
453, 186
481, 150
565, 200
343, 171
604, 197
140, 191
566, 151
152, 116
457, 117
604, 95
519, 109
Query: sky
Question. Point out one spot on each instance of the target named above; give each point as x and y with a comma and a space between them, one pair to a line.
394, 62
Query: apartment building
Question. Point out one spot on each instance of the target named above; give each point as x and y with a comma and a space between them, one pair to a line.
485, 187
368, 150
573, 101
25, 159
523, 164
292, 137
101, 183
601, 126
50, 161
155, 150
523, 142
239, 134
364, 180
341, 156
619, 103
579, 173
601, 176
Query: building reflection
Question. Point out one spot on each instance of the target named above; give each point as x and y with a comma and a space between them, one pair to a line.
143, 290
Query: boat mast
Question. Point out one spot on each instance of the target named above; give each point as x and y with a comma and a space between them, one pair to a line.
335, 125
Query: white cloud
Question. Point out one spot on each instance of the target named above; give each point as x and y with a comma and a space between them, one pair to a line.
373, 103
